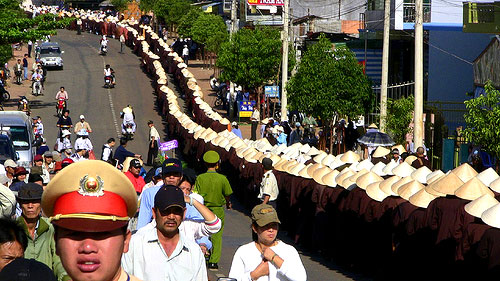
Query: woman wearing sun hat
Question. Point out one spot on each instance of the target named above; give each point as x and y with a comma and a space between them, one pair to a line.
266, 258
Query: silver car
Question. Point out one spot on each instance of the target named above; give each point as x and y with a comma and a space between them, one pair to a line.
50, 55
21, 133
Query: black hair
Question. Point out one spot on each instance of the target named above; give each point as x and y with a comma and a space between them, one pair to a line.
187, 178
66, 110
123, 141
35, 177
211, 165
11, 231
110, 140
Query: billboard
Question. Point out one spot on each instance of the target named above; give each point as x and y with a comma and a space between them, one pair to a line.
266, 2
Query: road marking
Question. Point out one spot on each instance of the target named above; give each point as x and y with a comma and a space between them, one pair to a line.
220, 275
110, 98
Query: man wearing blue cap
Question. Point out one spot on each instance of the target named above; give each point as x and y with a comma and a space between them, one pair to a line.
215, 189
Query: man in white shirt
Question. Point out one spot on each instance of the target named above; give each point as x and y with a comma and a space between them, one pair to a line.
255, 118
107, 151
154, 138
162, 252
269, 185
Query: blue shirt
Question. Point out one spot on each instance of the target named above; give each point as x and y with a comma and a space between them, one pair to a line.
281, 138
237, 132
146, 212
121, 153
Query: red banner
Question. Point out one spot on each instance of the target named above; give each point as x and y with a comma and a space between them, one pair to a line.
266, 2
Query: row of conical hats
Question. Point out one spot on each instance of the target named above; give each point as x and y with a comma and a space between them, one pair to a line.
418, 186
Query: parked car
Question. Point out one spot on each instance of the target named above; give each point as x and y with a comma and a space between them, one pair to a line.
21, 133
7, 150
50, 55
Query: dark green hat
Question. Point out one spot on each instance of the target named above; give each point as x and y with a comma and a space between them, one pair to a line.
211, 157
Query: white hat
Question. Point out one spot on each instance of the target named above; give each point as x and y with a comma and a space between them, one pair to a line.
82, 117
472, 189
234, 123
378, 169
65, 133
421, 174
365, 164
492, 216
410, 188
478, 206
388, 168
403, 170
487, 176
374, 192
465, 172
422, 198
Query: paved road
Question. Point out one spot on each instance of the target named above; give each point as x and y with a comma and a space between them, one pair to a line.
83, 78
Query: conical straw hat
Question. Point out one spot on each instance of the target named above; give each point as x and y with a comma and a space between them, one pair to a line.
367, 179
487, 176
409, 160
408, 189
348, 183
422, 199
319, 173
312, 168
357, 175
313, 151
447, 184
434, 176
374, 192
395, 186
403, 170
472, 190
329, 179
354, 166
465, 172
386, 184
342, 176
224, 143
381, 152
336, 163
388, 168
420, 174
400, 148
349, 157
365, 164
303, 173
478, 206
250, 157
279, 166
288, 165
495, 185
249, 151
199, 133
275, 158
305, 148
378, 169
318, 158
241, 150
492, 216
430, 190
295, 170
327, 160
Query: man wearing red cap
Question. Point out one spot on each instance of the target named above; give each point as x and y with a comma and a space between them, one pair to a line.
90, 204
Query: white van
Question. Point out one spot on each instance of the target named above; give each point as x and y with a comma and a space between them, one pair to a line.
21, 133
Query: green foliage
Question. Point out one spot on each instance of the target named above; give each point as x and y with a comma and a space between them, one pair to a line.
399, 117
252, 58
210, 30
330, 82
171, 11
146, 5
5, 53
483, 120
187, 21
120, 5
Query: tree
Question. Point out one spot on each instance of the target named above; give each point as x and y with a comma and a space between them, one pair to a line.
120, 5
252, 58
399, 117
483, 120
210, 30
330, 82
171, 11
187, 21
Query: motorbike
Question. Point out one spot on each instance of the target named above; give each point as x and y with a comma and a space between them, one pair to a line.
108, 82
24, 105
5, 95
104, 50
128, 130
61, 106
37, 88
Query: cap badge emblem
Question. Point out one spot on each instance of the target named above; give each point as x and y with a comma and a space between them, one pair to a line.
90, 186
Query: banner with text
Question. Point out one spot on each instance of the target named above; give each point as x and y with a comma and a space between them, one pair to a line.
266, 2
246, 108
164, 146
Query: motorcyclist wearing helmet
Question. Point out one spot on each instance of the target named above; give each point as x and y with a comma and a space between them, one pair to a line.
104, 42
128, 118
109, 72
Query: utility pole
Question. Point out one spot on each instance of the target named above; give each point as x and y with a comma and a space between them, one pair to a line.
234, 28
284, 71
385, 65
418, 129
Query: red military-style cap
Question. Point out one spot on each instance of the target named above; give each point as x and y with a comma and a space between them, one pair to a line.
90, 196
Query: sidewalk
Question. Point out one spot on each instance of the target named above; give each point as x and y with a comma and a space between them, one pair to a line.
24, 89
202, 76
